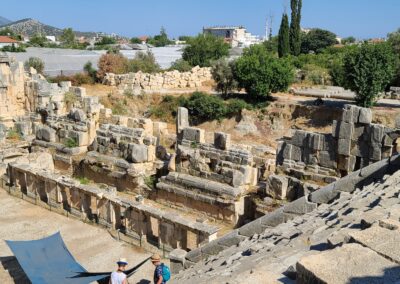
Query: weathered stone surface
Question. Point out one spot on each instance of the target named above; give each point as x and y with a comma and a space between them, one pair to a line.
222, 140
277, 186
193, 134
365, 116
349, 263
182, 118
139, 153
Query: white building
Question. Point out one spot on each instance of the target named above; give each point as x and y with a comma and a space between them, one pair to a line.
7, 41
236, 36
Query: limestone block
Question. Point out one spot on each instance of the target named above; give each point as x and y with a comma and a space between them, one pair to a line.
160, 128
375, 152
377, 132
182, 118
327, 159
222, 140
295, 153
138, 153
358, 132
151, 153
346, 264
299, 138
277, 186
77, 115
344, 146
46, 133
346, 130
335, 128
194, 134
365, 116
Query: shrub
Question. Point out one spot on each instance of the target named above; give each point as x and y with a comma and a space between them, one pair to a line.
150, 181
203, 107
120, 108
81, 79
36, 63
235, 107
144, 62
316, 75
161, 39
12, 134
261, 73
111, 63
135, 40
181, 66
88, 68
222, 72
203, 49
368, 70
70, 99
13, 48
70, 143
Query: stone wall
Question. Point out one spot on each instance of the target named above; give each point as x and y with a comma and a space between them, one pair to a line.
212, 178
137, 222
355, 142
135, 83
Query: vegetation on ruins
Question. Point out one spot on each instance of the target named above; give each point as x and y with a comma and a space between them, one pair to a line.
260, 73
36, 63
222, 72
204, 49
119, 108
70, 99
295, 27
368, 71
143, 61
180, 65
111, 63
317, 40
83, 180
70, 143
13, 134
283, 37
90, 70
150, 181
161, 39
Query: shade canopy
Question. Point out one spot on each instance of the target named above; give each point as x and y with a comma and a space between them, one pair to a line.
49, 261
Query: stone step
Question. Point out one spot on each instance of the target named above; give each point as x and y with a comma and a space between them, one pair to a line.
189, 182
384, 241
351, 263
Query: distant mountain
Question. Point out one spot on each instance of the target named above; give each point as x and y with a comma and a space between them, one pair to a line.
4, 21
31, 27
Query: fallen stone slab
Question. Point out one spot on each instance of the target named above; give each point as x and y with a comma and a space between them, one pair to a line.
351, 263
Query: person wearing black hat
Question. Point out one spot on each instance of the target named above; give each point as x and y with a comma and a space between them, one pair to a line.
119, 277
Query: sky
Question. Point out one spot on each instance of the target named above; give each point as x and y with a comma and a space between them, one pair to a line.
360, 18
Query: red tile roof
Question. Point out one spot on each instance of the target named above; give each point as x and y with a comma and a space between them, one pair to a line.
6, 39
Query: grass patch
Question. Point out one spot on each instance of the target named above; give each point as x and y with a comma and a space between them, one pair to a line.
150, 181
12, 134
83, 180
70, 143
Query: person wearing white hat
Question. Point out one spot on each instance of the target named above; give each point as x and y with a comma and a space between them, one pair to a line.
119, 277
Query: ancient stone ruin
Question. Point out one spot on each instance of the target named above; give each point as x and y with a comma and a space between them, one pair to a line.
136, 83
218, 209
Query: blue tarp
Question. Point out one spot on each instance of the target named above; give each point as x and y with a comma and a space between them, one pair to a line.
49, 261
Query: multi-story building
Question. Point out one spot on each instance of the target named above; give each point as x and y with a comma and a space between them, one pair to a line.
236, 36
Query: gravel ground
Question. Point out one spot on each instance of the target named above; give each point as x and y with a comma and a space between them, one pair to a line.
91, 246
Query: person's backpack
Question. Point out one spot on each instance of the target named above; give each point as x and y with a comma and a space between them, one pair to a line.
166, 273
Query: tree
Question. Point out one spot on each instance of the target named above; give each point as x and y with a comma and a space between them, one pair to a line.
348, 40
68, 36
38, 40
144, 62
181, 65
295, 27
317, 40
271, 45
161, 39
88, 68
203, 49
36, 63
261, 73
394, 40
105, 40
135, 40
203, 107
283, 37
222, 72
368, 70
111, 63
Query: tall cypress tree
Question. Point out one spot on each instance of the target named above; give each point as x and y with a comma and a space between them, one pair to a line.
283, 37
295, 26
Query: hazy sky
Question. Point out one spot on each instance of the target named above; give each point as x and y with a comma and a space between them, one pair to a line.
361, 18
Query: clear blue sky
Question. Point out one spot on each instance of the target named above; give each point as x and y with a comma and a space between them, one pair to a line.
360, 18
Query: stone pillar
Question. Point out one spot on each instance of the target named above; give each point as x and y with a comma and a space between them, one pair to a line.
182, 119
